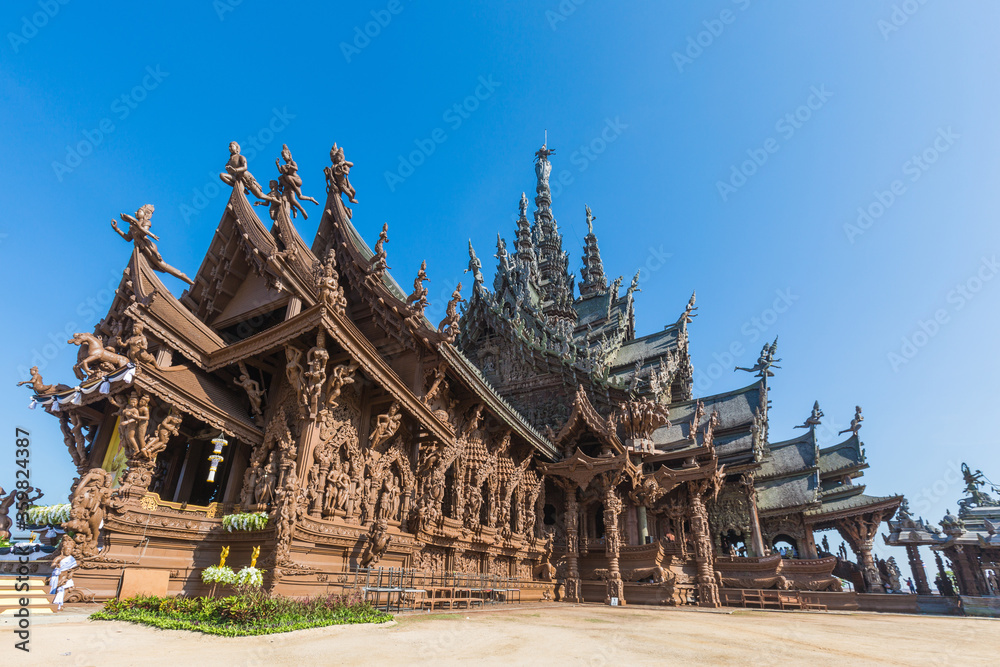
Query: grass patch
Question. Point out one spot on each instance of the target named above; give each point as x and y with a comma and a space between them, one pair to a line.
240, 615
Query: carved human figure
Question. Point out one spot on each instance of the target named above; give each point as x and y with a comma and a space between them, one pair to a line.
237, 174
855, 423
474, 506
252, 388
140, 236
340, 483
128, 427
169, 427
137, 344
337, 175
264, 492
291, 182
341, 376
475, 266
39, 387
386, 425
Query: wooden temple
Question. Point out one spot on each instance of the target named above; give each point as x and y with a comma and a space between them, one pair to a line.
531, 434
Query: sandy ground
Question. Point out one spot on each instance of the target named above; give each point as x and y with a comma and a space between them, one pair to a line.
536, 634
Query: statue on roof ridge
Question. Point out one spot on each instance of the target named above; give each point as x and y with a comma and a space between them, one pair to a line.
39, 387
141, 237
688, 316
973, 483
475, 266
634, 287
615, 286
590, 220
337, 175
814, 419
377, 264
523, 206
765, 362
449, 325
417, 301
291, 182
855, 423
503, 258
237, 174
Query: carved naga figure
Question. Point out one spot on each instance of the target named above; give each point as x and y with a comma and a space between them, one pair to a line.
449, 325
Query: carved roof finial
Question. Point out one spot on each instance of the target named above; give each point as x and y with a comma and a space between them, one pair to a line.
475, 266
814, 419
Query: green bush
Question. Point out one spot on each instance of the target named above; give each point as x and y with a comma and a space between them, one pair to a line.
250, 613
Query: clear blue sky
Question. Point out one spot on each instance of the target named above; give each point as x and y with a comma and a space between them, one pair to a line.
681, 116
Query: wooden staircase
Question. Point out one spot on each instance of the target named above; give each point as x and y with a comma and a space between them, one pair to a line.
39, 601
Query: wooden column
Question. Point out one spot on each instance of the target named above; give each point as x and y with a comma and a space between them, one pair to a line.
612, 542
859, 532
708, 590
572, 565
917, 569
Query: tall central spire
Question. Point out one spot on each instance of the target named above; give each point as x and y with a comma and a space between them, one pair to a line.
555, 282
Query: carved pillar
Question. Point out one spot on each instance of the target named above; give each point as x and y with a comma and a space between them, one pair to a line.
809, 543
572, 565
917, 568
708, 590
612, 541
859, 532
756, 538
964, 572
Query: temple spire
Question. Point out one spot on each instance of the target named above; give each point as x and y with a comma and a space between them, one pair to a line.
555, 281
594, 280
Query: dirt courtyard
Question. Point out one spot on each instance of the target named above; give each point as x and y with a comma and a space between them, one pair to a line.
536, 634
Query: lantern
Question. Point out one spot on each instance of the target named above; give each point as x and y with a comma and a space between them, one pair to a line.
216, 456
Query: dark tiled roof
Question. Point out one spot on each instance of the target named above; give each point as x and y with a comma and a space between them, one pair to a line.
847, 454
787, 492
790, 456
